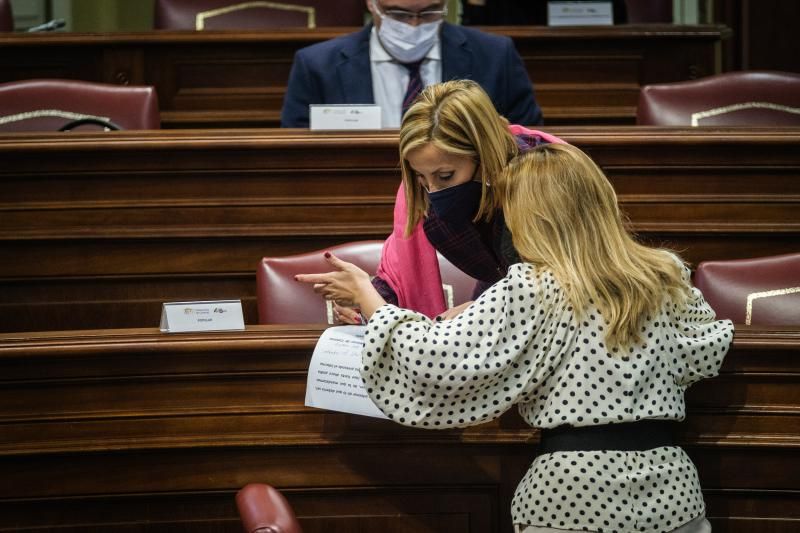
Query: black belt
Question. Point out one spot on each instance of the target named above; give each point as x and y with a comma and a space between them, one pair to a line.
626, 437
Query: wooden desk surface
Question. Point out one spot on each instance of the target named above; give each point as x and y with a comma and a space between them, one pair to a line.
137, 429
218, 79
97, 230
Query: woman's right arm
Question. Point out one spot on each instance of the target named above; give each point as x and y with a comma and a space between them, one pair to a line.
464, 371
701, 341
352, 315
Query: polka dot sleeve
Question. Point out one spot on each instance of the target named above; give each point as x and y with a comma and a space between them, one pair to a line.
701, 341
463, 371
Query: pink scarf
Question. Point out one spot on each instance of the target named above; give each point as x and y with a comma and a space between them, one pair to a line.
410, 265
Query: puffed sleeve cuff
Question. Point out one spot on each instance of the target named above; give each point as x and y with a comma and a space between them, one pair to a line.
701, 341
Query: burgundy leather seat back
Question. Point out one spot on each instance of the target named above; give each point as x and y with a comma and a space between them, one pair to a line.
730, 99
282, 300
249, 15
46, 105
649, 11
458, 287
263, 509
762, 291
6, 18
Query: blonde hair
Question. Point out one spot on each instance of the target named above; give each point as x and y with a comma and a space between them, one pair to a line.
563, 215
457, 117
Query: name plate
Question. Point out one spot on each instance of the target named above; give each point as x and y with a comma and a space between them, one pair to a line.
580, 14
345, 117
219, 315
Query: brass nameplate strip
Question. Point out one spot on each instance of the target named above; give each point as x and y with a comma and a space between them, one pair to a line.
200, 21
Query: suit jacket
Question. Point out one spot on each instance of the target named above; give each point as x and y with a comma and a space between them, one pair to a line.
338, 72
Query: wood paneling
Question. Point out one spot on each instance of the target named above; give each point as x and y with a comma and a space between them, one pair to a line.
140, 431
763, 35
97, 230
238, 79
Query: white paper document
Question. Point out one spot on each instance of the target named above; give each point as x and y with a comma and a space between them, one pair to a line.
334, 381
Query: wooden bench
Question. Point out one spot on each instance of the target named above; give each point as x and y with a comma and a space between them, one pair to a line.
216, 79
133, 430
97, 230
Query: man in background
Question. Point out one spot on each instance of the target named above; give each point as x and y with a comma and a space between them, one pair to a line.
407, 47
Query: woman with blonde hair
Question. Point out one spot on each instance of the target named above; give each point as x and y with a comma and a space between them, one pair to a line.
453, 143
593, 336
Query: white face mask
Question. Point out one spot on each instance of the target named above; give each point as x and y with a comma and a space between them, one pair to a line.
407, 43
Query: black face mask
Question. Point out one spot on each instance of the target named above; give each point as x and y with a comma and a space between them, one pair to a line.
457, 204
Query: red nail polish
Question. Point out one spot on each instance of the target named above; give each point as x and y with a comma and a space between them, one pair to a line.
327, 255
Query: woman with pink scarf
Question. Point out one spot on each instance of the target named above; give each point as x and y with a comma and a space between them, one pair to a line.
453, 143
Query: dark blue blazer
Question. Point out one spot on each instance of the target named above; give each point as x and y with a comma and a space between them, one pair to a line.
338, 72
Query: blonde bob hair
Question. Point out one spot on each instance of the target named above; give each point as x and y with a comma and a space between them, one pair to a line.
458, 118
563, 216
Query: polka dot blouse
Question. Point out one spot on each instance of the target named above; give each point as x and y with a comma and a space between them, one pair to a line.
522, 343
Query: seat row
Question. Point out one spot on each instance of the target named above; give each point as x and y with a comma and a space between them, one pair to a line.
762, 291
730, 99
242, 15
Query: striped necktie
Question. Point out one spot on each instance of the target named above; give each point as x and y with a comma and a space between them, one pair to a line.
414, 84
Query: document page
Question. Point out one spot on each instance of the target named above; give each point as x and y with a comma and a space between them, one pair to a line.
334, 381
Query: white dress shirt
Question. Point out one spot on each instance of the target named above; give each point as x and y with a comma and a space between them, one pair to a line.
390, 78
